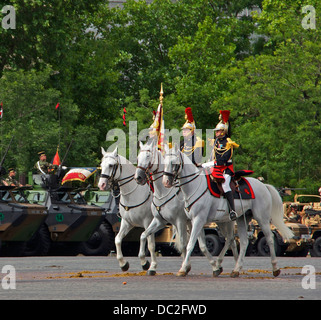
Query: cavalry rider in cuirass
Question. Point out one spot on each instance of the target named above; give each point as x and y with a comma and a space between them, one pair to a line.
192, 146
222, 155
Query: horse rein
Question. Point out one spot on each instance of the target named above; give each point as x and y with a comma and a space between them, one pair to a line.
148, 168
115, 181
194, 175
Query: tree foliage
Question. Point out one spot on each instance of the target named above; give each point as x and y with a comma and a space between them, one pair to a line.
94, 60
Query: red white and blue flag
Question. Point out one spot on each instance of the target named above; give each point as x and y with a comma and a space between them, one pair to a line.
78, 174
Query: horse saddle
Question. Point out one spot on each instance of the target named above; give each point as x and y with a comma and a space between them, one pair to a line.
240, 186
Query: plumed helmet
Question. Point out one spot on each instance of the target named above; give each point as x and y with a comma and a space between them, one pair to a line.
190, 123
224, 122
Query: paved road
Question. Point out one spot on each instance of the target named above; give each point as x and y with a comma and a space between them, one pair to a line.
98, 278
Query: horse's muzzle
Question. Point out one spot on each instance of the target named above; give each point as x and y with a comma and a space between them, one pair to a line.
140, 176
168, 180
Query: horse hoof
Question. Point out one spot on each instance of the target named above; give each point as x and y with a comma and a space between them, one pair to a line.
188, 269
146, 265
151, 272
234, 274
217, 272
276, 273
181, 274
125, 267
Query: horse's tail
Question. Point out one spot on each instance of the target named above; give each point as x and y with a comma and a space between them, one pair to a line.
277, 213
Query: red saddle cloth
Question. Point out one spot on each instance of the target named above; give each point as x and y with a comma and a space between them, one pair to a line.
244, 190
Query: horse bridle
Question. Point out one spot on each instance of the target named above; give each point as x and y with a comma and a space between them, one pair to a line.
150, 165
194, 175
177, 167
111, 178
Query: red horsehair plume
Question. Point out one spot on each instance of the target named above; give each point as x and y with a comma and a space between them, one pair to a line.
189, 114
225, 115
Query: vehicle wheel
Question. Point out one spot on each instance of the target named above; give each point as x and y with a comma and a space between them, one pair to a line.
213, 244
100, 243
316, 249
13, 249
39, 244
264, 250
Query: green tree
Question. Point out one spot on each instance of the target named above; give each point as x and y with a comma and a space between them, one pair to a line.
275, 102
29, 114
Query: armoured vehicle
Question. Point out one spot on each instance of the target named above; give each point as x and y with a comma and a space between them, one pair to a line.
309, 208
20, 221
298, 246
72, 225
165, 238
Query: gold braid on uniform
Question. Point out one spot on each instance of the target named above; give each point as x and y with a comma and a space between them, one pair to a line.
189, 150
229, 145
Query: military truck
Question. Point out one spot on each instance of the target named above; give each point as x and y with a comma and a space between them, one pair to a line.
214, 240
20, 222
73, 226
298, 246
309, 208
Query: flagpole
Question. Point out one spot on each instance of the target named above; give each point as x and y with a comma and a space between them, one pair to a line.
161, 94
59, 121
1, 110
59, 126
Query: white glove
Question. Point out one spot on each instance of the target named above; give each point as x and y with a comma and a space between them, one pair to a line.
208, 164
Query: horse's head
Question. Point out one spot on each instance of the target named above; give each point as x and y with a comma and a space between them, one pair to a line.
109, 169
145, 161
173, 165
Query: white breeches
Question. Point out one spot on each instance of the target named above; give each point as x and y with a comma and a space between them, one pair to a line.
226, 184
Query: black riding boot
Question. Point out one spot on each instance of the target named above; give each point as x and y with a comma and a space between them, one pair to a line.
230, 198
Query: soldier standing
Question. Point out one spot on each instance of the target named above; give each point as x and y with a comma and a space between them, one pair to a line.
42, 166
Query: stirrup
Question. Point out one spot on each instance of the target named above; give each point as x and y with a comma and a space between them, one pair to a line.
233, 215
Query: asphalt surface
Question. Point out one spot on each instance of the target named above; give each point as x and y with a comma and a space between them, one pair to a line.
100, 278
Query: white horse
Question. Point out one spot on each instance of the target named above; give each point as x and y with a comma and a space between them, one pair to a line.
202, 207
167, 205
134, 206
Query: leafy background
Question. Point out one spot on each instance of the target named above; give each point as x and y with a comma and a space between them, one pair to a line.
95, 60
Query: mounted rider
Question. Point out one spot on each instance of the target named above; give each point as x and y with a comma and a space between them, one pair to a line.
192, 145
222, 155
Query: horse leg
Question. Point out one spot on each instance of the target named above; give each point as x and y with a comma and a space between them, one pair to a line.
154, 226
270, 241
181, 243
203, 248
244, 241
151, 247
197, 227
227, 230
125, 227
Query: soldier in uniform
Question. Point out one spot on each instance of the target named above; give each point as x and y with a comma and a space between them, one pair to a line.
292, 214
10, 180
310, 220
192, 146
222, 154
42, 166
